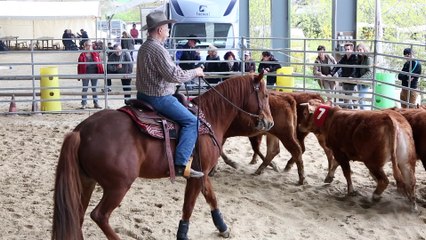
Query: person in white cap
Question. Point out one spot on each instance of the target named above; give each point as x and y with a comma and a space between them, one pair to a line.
156, 78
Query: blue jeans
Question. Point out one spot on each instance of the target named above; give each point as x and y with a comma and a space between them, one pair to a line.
86, 87
171, 108
363, 91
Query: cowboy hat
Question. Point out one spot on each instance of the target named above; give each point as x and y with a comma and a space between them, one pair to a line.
155, 19
193, 38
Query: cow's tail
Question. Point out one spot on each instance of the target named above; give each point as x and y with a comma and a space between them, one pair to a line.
403, 164
67, 202
394, 137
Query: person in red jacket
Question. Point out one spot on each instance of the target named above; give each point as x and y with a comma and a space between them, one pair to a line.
89, 62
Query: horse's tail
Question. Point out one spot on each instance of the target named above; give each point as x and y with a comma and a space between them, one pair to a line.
67, 202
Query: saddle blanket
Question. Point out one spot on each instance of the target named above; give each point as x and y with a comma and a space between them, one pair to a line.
151, 124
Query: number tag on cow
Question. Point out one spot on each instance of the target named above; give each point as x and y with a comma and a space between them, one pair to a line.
320, 115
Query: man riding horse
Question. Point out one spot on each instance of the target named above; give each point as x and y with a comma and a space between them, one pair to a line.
156, 77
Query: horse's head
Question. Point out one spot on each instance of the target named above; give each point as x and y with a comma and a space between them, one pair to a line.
260, 101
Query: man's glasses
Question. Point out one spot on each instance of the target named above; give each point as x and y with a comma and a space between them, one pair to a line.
347, 49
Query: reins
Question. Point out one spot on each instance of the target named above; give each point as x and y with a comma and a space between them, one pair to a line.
256, 88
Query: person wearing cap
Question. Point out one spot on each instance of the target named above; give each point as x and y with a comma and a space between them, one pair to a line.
189, 55
156, 79
411, 66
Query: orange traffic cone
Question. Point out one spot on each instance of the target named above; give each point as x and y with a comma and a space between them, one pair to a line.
12, 106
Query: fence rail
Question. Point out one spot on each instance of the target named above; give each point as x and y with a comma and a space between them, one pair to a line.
20, 73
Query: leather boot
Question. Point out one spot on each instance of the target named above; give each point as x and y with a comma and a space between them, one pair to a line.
179, 170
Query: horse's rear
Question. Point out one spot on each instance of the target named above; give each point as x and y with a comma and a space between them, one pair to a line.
107, 148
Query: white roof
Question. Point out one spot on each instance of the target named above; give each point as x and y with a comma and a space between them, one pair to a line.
28, 9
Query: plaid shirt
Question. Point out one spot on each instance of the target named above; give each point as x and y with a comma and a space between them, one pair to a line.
156, 73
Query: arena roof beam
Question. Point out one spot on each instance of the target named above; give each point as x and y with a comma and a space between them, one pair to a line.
344, 22
280, 28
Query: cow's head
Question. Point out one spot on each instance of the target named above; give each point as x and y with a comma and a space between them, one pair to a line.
314, 115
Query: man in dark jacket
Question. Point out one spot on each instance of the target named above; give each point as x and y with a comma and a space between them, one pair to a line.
189, 55
120, 62
83, 36
347, 72
413, 67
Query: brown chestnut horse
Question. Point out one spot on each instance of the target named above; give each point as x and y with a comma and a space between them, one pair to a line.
107, 148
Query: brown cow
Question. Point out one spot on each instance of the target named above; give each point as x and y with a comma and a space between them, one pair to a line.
372, 137
283, 110
280, 111
417, 120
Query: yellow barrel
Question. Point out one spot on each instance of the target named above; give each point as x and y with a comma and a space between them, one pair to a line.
49, 89
285, 81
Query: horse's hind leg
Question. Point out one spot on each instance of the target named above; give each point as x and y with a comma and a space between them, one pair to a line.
88, 185
192, 190
273, 149
255, 145
226, 159
110, 201
301, 140
210, 197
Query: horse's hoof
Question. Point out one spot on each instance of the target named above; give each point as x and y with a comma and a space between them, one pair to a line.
328, 179
352, 194
225, 234
414, 209
376, 197
258, 172
234, 165
274, 167
253, 162
288, 167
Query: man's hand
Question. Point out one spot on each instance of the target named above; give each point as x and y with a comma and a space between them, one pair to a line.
199, 72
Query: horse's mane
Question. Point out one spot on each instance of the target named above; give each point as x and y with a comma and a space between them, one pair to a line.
234, 89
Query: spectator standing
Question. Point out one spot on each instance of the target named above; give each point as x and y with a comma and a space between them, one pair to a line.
89, 62
83, 38
135, 34
212, 66
119, 62
127, 43
249, 64
363, 73
270, 65
411, 66
189, 55
322, 68
156, 79
347, 72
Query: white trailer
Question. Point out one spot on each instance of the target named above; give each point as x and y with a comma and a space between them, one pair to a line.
213, 21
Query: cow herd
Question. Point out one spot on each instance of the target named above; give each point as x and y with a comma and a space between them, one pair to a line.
373, 137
